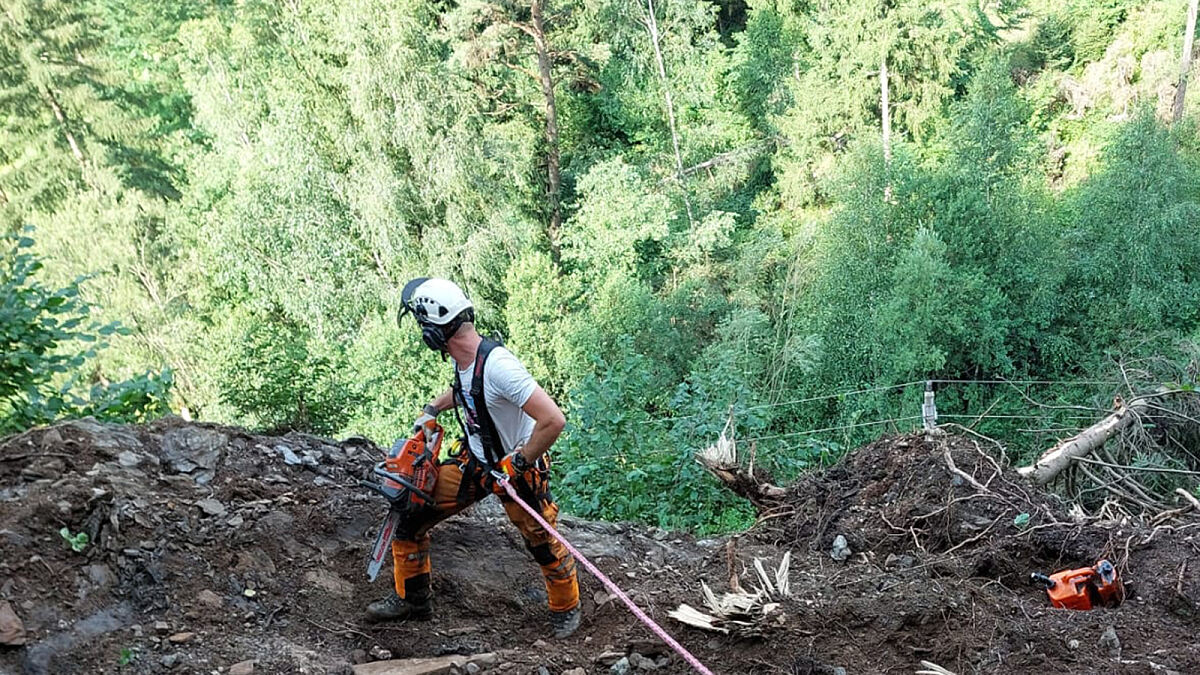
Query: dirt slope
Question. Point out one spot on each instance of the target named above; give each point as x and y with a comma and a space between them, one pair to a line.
210, 547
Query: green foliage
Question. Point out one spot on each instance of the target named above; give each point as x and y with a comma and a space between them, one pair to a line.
618, 463
36, 321
78, 541
1142, 208
246, 186
137, 400
538, 299
47, 336
766, 49
126, 657
944, 252
618, 218
1094, 21
275, 377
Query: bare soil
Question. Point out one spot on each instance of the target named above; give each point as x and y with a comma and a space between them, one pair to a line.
210, 546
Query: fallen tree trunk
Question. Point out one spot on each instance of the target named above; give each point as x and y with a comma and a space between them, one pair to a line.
721, 460
1094, 437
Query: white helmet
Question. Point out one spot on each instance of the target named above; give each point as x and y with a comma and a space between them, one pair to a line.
435, 301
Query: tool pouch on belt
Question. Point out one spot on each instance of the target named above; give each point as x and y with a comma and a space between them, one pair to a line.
533, 486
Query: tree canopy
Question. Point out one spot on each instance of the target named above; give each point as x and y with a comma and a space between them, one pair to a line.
671, 211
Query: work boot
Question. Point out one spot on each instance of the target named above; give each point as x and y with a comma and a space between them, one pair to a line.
396, 608
564, 623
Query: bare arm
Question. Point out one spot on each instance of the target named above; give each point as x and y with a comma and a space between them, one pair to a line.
549, 422
445, 401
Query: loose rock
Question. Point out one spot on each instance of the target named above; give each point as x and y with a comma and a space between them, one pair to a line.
12, 629
193, 450
1109, 642
841, 549
242, 668
329, 582
608, 658
211, 507
210, 599
289, 457
180, 638
100, 575
641, 662
128, 459
254, 560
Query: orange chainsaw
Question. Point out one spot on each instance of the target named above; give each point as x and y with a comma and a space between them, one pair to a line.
408, 476
1083, 588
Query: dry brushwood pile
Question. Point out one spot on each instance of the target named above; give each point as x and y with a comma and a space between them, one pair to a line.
211, 550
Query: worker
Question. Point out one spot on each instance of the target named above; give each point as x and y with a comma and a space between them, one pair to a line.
508, 423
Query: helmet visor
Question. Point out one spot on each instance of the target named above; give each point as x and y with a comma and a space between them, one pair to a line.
406, 296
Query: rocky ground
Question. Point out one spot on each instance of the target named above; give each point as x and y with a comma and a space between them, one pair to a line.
211, 550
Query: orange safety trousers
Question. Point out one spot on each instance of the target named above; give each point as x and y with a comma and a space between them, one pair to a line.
412, 567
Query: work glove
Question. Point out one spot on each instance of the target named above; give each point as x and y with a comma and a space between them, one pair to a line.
514, 464
428, 414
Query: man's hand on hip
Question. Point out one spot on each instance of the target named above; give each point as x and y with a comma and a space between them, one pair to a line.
515, 464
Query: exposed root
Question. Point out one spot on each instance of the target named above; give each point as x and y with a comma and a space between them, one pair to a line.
721, 460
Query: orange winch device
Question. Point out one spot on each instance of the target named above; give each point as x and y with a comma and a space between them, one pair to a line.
1083, 588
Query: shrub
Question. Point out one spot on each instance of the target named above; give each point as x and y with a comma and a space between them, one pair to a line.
47, 338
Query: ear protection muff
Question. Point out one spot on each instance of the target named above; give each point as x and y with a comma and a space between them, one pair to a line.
438, 337
433, 336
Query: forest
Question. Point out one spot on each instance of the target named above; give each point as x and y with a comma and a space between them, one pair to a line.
777, 218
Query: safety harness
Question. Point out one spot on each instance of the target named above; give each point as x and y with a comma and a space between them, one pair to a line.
478, 423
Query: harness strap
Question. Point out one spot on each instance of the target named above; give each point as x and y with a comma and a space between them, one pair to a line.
471, 472
479, 422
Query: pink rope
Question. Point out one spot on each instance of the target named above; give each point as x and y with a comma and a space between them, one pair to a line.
612, 588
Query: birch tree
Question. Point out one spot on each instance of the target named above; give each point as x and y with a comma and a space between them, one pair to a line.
1185, 65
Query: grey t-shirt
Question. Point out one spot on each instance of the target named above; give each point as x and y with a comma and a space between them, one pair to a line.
507, 386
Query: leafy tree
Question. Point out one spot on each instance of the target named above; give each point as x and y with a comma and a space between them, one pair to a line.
1135, 244
62, 120
671, 211
930, 51
47, 338
767, 49
619, 463
276, 379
